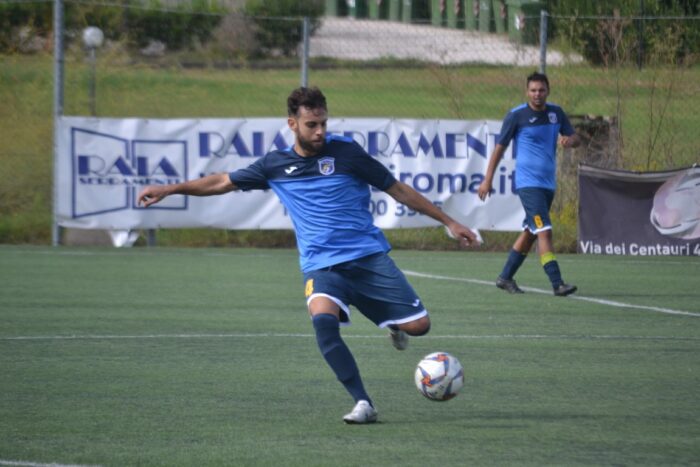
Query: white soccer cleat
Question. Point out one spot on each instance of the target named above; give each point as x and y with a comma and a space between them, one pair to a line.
363, 412
399, 339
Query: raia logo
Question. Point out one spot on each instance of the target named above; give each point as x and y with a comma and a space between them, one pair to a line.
108, 171
376, 143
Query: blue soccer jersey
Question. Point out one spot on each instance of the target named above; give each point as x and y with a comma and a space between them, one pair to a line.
327, 197
535, 135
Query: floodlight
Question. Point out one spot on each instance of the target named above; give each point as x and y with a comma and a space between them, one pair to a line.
93, 37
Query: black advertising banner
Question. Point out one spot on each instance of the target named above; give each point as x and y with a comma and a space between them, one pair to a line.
639, 214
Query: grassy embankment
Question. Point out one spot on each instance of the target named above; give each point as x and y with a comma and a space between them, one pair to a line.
474, 92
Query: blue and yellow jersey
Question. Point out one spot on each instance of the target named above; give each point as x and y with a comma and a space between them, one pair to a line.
327, 197
535, 135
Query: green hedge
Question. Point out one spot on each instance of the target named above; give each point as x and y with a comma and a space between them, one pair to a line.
177, 27
279, 25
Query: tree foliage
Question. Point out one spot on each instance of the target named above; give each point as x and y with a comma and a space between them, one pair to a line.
279, 23
597, 28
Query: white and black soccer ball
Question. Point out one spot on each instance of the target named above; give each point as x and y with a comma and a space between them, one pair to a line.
439, 376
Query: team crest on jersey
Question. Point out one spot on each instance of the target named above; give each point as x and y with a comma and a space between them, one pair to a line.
552, 117
326, 165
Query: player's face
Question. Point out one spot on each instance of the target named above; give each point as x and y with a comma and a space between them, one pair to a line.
537, 92
309, 127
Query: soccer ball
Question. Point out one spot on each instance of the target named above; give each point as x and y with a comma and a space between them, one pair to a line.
439, 376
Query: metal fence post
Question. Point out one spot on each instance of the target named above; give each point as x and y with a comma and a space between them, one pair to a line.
543, 41
305, 52
57, 108
91, 85
640, 36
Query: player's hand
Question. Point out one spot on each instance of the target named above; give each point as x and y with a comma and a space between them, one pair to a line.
569, 141
484, 190
464, 234
151, 195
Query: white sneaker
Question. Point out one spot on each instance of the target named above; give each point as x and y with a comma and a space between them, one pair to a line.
399, 339
363, 412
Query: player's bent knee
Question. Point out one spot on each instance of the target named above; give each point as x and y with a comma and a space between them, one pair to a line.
422, 332
323, 305
419, 327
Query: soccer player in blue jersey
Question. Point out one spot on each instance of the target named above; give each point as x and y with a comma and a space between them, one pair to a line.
534, 128
324, 182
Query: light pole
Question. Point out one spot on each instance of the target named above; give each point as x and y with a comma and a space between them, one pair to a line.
92, 38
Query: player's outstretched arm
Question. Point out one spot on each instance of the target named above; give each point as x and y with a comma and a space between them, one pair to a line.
216, 184
406, 195
486, 185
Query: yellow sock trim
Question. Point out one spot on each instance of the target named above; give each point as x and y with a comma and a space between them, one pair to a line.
547, 257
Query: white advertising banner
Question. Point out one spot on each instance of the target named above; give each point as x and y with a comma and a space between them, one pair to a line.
102, 164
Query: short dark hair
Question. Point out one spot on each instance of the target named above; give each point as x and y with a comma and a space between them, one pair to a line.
540, 77
312, 98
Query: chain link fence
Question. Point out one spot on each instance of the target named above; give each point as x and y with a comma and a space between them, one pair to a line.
630, 84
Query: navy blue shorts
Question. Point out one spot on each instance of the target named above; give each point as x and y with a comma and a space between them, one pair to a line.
536, 202
372, 284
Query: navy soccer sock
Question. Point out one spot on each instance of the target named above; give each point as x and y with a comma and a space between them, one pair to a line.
551, 267
513, 263
338, 355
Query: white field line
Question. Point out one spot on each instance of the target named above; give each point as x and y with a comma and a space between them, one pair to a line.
599, 301
346, 336
37, 464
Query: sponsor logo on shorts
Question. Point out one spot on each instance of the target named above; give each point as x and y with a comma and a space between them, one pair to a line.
538, 221
309, 288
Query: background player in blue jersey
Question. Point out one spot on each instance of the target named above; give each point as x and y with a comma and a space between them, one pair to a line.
324, 182
534, 128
